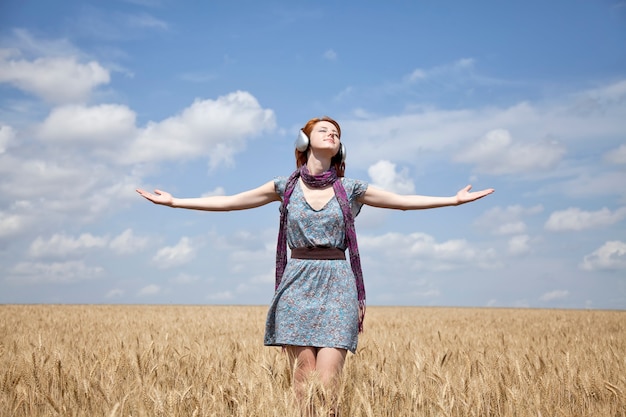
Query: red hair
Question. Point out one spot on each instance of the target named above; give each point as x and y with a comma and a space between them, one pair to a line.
301, 157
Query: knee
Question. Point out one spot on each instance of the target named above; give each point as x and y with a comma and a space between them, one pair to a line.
328, 375
303, 361
330, 363
304, 367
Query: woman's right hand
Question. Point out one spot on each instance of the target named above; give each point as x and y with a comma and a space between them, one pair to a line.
159, 197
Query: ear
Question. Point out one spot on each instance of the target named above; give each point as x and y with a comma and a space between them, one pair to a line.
302, 141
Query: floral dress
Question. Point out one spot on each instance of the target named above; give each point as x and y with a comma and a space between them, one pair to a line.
316, 302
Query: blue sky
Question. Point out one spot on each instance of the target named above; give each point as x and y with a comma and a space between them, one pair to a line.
201, 98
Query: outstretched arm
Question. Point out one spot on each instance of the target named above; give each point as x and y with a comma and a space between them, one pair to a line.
248, 199
385, 199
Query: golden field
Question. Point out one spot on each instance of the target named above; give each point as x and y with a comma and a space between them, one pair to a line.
210, 361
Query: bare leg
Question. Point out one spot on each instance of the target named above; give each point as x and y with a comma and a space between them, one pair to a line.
302, 360
324, 363
329, 365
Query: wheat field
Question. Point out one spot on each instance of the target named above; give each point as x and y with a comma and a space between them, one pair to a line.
106, 360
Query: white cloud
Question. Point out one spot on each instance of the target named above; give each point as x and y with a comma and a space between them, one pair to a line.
464, 63
220, 296
127, 242
554, 295
114, 293
588, 184
216, 191
431, 293
207, 128
61, 172
527, 138
264, 278
93, 126
423, 252
508, 220
144, 20
59, 182
179, 254
54, 79
519, 245
617, 156
72, 188
384, 175
183, 278
7, 135
11, 224
596, 113
71, 182
60, 245
214, 128
53, 272
120, 26
576, 219
114, 190
330, 55
151, 289
511, 228
416, 75
610, 256
23, 41
497, 153
346, 92
599, 99
449, 70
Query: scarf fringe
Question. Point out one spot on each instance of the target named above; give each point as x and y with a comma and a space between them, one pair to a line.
361, 315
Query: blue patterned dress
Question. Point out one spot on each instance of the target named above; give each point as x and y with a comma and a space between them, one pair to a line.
316, 302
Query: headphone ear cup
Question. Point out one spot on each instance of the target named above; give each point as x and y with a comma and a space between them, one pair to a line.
302, 141
342, 153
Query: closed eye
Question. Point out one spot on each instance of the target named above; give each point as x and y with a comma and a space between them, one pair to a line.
324, 130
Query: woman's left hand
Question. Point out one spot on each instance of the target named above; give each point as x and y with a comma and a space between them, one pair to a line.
465, 196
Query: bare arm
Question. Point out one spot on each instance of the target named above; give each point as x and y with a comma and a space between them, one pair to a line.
384, 199
246, 200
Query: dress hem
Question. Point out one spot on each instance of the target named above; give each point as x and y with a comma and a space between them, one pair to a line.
276, 344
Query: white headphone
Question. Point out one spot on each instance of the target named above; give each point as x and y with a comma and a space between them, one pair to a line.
302, 144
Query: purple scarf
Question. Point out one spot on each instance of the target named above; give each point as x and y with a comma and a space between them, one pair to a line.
320, 181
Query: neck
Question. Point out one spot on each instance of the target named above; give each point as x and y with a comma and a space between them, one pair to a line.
317, 165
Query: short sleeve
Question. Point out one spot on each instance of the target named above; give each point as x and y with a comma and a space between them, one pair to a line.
280, 183
355, 190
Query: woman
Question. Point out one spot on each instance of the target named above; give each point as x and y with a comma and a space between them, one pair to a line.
319, 304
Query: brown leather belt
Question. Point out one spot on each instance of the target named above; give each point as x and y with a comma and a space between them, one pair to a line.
318, 253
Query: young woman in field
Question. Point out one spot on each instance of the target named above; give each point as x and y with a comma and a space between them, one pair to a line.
319, 303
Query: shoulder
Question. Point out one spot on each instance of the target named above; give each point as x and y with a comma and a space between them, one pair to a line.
280, 180
280, 183
354, 187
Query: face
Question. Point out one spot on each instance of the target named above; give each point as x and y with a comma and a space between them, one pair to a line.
325, 136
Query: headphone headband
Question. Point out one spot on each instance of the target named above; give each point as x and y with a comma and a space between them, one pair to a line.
302, 144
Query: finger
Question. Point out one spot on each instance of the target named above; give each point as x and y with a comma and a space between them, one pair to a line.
483, 193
